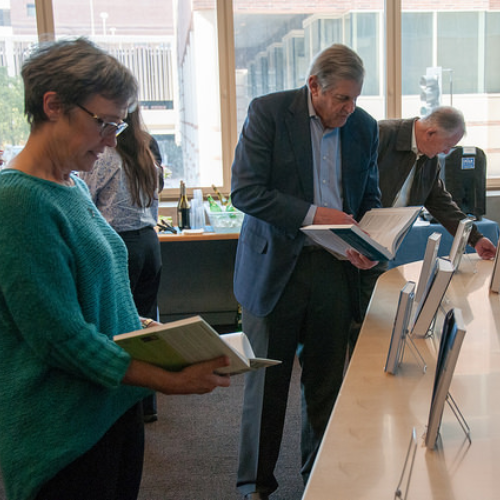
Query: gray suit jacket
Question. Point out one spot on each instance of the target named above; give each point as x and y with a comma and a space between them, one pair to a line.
272, 182
395, 160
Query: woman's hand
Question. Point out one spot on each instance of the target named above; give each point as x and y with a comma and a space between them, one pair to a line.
199, 378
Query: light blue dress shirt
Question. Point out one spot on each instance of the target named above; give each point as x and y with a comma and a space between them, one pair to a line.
327, 166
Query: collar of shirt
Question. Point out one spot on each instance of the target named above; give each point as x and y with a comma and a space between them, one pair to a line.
414, 142
312, 111
314, 116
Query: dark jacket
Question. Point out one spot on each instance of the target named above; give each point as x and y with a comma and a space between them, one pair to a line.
272, 182
395, 160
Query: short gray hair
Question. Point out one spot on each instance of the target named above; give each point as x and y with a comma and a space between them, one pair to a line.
335, 63
447, 119
75, 70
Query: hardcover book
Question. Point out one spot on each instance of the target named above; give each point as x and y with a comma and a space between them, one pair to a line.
431, 300
460, 241
495, 275
428, 265
400, 328
449, 349
178, 344
378, 235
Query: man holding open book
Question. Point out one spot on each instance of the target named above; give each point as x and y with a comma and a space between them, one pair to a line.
305, 156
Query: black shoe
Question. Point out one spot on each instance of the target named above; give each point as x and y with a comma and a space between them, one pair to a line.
256, 496
150, 417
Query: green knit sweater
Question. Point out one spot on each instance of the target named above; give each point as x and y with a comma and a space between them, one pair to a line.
64, 293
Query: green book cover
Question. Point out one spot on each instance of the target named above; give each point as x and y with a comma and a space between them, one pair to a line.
178, 344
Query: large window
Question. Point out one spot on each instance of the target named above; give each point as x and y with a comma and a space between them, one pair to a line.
459, 43
171, 47
200, 62
273, 49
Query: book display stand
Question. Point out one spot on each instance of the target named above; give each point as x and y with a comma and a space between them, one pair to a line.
432, 298
367, 451
428, 265
399, 337
460, 242
495, 275
459, 416
407, 468
449, 348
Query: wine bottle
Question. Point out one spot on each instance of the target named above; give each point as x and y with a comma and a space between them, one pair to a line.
183, 209
222, 198
230, 209
214, 207
229, 205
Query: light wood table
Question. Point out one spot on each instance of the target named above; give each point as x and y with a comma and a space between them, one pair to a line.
365, 445
205, 236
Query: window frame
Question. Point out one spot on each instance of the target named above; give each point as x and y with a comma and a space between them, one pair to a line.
227, 78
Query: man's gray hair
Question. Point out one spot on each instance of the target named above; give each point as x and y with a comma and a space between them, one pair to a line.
447, 119
75, 70
335, 63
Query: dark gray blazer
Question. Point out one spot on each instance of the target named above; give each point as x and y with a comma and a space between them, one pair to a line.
272, 182
395, 160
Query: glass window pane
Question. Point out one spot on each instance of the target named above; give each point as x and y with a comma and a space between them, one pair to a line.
274, 47
17, 33
457, 51
460, 44
492, 52
416, 38
171, 47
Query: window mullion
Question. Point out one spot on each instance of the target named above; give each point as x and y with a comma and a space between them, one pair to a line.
45, 20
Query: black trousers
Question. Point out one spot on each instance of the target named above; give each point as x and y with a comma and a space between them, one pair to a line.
144, 267
110, 470
311, 320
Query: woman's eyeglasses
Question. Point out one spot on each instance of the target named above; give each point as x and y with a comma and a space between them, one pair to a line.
107, 128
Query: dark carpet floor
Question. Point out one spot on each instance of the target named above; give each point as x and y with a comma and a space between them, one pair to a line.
191, 451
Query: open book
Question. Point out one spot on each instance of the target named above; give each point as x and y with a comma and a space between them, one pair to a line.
181, 343
378, 236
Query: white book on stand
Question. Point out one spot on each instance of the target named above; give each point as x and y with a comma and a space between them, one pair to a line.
460, 241
449, 349
430, 302
400, 328
428, 265
495, 275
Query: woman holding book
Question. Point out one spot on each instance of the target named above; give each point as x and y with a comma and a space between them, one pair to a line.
70, 425
124, 185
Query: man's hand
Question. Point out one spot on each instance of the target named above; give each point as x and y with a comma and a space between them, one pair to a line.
332, 216
360, 261
485, 249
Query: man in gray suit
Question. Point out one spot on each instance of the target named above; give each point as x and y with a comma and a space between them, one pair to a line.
305, 156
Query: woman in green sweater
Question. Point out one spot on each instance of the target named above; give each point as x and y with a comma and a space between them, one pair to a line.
70, 423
